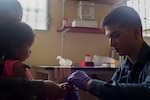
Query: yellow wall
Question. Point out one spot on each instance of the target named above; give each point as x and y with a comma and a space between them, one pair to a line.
48, 46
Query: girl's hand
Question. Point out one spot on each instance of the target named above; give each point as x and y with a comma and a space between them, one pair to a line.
53, 91
70, 92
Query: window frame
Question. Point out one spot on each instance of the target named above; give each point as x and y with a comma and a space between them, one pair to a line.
48, 19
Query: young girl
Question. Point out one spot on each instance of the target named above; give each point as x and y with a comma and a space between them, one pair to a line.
16, 40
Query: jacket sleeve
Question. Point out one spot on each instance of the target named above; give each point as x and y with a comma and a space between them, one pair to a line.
119, 91
21, 89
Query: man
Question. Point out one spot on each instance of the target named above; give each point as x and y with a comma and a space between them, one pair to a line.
10, 9
19, 88
131, 81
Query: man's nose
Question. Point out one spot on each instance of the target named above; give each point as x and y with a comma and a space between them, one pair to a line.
111, 42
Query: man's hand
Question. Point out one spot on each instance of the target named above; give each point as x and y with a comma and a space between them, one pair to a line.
79, 79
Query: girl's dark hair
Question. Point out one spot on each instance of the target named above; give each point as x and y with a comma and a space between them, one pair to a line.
13, 33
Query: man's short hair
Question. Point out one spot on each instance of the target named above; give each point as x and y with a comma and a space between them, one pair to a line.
124, 16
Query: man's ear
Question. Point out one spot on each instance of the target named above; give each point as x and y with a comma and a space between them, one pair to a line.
137, 30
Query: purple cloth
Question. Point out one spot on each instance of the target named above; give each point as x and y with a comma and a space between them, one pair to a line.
72, 95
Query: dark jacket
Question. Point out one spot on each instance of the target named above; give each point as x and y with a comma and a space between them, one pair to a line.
21, 89
129, 82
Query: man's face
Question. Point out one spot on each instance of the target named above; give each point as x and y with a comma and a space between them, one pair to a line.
121, 39
14, 10
1, 15
16, 14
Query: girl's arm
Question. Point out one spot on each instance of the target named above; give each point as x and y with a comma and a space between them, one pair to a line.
19, 70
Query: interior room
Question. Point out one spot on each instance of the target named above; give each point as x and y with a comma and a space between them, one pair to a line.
66, 35
48, 44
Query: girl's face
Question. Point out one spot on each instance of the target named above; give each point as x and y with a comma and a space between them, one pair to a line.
23, 52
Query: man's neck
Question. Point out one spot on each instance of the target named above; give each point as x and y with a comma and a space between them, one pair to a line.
134, 54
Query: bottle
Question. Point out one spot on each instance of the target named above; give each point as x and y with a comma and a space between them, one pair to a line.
64, 22
87, 58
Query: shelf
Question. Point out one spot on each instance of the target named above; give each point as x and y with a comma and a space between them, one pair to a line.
81, 30
110, 2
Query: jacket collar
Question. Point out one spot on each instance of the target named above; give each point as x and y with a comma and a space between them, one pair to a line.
143, 54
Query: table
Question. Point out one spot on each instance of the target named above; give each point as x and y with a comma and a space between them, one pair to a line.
57, 72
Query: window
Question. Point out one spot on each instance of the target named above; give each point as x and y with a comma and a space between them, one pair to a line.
142, 7
35, 13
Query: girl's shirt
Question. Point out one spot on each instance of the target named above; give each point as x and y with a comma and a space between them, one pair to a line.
8, 68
